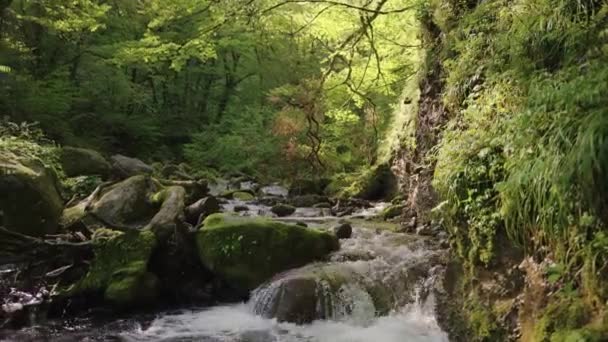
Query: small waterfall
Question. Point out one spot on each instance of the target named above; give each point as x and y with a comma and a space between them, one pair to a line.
354, 286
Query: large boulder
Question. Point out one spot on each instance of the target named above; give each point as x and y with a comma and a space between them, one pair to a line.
246, 252
128, 203
30, 200
83, 162
119, 269
322, 292
124, 167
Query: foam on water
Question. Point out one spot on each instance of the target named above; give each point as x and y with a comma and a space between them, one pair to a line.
231, 323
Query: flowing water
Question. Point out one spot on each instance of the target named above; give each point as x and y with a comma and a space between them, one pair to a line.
402, 268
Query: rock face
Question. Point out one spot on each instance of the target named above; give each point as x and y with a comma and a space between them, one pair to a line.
29, 198
124, 167
83, 162
282, 210
127, 204
119, 269
247, 252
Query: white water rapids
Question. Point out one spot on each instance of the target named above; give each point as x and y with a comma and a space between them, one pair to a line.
378, 254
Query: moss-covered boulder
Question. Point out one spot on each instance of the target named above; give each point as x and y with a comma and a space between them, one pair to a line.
128, 203
83, 162
246, 252
120, 268
282, 210
30, 199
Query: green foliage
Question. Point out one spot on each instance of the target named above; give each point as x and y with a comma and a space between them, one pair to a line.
524, 155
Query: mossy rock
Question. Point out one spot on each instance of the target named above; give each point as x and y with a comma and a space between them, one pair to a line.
132, 285
83, 162
307, 201
282, 210
392, 211
31, 202
243, 196
119, 269
246, 252
129, 203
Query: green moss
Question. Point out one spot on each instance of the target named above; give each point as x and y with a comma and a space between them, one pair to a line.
132, 285
246, 252
562, 318
392, 211
243, 196
120, 265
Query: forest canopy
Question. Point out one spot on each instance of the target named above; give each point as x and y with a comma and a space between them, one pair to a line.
302, 86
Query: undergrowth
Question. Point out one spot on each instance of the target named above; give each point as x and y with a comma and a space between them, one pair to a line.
526, 150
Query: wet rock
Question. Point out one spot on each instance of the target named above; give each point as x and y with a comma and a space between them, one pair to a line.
307, 201
30, 202
83, 162
325, 205
128, 203
315, 292
240, 208
246, 252
282, 210
124, 167
343, 231
269, 200
196, 212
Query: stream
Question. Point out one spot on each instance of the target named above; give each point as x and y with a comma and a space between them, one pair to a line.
343, 297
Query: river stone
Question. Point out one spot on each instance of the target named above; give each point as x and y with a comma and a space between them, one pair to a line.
31, 203
343, 231
240, 208
321, 292
282, 210
127, 204
246, 252
124, 167
203, 207
83, 162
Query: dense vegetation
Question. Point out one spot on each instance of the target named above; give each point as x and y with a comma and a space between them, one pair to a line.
500, 106
273, 87
522, 163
